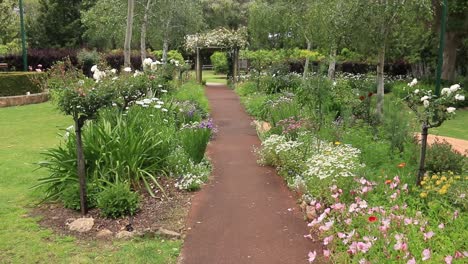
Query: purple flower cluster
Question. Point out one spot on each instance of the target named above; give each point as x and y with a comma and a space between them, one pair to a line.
291, 125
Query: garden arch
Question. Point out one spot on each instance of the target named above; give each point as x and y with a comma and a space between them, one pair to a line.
221, 39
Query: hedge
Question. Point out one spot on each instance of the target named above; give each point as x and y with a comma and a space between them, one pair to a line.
18, 83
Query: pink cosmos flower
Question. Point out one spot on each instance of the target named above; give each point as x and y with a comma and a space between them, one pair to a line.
400, 246
338, 206
428, 235
312, 256
327, 226
411, 261
426, 254
408, 221
441, 226
327, 240
326, 253
448, 259
341, 235
455, 214
352, 207
348, 221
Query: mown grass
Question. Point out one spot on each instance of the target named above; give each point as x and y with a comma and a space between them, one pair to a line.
456, 127
211, 77
25, 132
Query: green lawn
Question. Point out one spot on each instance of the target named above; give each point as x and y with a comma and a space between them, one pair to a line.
210, 76
456, 127
24, 133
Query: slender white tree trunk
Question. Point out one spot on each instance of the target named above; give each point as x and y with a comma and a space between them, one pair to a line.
332, 64
307, 61
166, 41
143, 31
128, 33
380, 83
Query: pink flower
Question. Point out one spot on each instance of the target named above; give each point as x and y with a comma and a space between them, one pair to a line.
348, 221
336, 195
408, 221
363, 204
428, 235
312, 256
338, 206
411, 261
426, 254
327, 240
327, 226
448, 259
341, 235
364, 247
394, 196
441, 226
455, 214
318, 206
401, 246
352, 207
326, 253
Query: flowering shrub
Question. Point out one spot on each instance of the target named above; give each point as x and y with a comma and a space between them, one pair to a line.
439, 184
378, 224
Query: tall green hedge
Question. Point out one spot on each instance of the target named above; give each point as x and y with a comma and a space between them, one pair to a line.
17, 83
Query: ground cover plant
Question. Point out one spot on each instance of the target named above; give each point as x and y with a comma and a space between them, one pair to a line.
356, 174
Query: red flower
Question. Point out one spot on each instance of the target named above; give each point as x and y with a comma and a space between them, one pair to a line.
402, 165
370, 94
388, 181
362, 97
372, 218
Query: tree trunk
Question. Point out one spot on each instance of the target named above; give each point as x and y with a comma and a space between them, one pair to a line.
380, 84
422, 158
128, 33
81, 167
332, 65
307, 61
235, 66
452, 42
166, 42
143, 32
198, 67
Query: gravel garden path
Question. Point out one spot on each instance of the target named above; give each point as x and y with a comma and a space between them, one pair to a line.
245, 214
457, 144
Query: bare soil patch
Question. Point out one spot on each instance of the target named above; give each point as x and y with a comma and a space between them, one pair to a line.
155, 212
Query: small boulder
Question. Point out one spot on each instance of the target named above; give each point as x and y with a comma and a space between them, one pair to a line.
124, 235
168, 233
81, 225
310, 212
104, 234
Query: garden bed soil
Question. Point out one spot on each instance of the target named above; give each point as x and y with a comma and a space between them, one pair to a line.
168, 213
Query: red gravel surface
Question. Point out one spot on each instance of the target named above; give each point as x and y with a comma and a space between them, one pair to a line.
245, 214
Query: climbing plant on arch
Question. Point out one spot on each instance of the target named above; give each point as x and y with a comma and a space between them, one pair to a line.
221, 38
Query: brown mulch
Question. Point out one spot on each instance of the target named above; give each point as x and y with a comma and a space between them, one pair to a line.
169, 213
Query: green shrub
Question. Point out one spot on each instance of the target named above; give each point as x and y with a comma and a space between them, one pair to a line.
18, 83
194, 140
441, 157
194, 93
88, 58
219, 61
118, 200
70, 196
171, 55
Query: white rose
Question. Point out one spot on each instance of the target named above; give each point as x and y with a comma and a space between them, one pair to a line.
416, 91
451, 110
460, 97
114, 71
147, 62
446, 91
454, 87
413, 82
425, 98
94, 68
127, 69
426, 103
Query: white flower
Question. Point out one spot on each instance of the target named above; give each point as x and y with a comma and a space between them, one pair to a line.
164, 110
451, 110
137, 72
147, 101
454, 87
446, 91
460, 97
70, 128
164, 91
425, 98
157, 106
114, 71
413, 82
416, 91
127, 69
154, 66
147, 62
426, 103
94, 68
81, 82
160, 86
115, 78
114, 104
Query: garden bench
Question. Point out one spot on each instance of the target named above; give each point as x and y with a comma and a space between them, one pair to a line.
3, 66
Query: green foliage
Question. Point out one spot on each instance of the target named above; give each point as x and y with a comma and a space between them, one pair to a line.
70, 196
117, 200
194, 140
194, 93
171, 55
19, 83
441, 158
219, 61
88, 58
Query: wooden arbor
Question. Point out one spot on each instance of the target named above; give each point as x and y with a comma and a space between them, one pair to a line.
222, 38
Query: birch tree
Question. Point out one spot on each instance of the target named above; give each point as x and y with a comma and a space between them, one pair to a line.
128, 33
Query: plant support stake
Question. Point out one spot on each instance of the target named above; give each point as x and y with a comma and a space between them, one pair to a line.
23, 37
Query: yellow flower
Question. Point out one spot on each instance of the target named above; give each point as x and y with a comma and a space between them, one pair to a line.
435, 177
438, 182
337, 143
443, 178
423, 182
423, 195
442, 191
426, 178
457, 177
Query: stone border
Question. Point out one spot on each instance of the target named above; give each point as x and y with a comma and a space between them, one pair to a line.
23, 99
